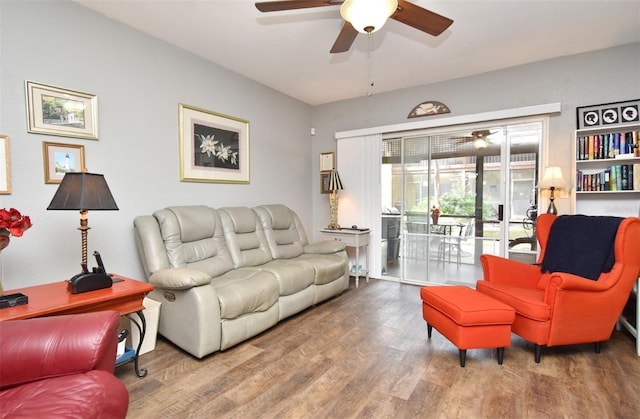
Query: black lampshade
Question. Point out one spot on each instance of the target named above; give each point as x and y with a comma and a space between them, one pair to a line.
83, 191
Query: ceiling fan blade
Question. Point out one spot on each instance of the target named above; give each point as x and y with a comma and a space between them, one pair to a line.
345, 38
421, 19
276, 6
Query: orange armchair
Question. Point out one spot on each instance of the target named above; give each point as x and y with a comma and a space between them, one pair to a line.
558, 308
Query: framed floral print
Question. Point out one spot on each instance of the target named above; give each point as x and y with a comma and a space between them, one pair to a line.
213, 147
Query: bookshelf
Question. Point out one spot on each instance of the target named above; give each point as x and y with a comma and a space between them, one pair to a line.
608, 185
607, 170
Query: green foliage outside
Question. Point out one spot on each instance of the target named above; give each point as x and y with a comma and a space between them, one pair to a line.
456, 204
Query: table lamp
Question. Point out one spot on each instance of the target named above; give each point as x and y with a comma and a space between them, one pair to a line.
84, 192
552, 180
335, 184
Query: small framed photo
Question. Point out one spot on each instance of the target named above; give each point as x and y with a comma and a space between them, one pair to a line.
327, 162
53, 110
324, 182
5, 166
213, 147
60, 159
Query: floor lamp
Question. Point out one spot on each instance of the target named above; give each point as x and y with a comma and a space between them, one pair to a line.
335, 184
552, 180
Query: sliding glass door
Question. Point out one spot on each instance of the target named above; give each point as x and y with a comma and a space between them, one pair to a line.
449, 196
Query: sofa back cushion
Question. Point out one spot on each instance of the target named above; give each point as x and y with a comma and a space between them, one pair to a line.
283, 231
244, 237
194, 239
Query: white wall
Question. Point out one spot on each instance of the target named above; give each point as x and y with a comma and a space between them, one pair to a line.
603, 76
139, 82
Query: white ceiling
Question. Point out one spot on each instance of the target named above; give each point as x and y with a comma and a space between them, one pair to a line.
289, 51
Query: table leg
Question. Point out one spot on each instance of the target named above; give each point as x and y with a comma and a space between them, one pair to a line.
142, 328
357, 265
366, 261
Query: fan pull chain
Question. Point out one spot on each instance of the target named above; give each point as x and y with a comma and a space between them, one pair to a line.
370, 66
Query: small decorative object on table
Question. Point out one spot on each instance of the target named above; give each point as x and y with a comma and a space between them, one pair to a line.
435, 214
12, 223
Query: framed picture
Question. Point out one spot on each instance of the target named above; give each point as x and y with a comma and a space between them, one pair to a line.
327, 162
5, 166
324, 182
60, 159
56, 111
430, 107
595, 116
213, 147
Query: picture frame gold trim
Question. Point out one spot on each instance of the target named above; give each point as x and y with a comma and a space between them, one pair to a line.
62, 158
324, 182
53, 110
5, 165
213, 147
327, 162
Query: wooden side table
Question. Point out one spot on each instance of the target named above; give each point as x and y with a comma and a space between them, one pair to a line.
125, 297
355, 238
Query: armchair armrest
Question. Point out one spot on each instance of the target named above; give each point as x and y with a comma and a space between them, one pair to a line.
500, 270
179, 278
324, 247
582, 306
46, 347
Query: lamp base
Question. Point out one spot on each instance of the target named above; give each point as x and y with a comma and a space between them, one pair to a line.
552, 209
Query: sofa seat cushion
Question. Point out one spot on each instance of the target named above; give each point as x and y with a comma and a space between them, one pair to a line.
93, 394
528, 302
328, 268
244, 291
292, 275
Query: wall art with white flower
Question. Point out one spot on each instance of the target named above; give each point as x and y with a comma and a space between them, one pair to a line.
213, 147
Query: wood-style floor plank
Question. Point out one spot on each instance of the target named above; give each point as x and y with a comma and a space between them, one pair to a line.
365, 354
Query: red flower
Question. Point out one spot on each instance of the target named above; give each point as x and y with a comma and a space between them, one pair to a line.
14, 222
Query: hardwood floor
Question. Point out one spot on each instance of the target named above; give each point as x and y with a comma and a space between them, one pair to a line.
366, 354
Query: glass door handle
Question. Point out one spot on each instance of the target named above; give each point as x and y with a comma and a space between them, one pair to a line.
500, 212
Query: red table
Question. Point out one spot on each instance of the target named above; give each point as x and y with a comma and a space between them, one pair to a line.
125, 296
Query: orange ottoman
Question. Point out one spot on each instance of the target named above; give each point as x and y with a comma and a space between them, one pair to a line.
469, 319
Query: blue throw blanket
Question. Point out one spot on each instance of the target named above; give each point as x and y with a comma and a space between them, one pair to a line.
581, 245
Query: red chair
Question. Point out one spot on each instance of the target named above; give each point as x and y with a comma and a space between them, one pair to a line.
559, 308
61, 366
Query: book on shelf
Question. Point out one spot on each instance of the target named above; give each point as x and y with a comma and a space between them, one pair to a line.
617, 177
607, 146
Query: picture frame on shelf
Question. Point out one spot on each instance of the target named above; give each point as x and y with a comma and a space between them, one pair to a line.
327, 162
62, 158
53, 110
213, 147
324, 182
602, 115
5, 166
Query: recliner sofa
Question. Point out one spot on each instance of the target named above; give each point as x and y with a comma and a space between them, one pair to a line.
225, 275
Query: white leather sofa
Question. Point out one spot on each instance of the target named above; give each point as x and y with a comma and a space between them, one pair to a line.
225, 275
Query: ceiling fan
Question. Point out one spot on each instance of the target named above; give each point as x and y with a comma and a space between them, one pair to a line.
479, 138
368, 18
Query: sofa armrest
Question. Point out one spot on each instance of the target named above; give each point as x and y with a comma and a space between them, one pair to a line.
324, 247
45, 347
179, 278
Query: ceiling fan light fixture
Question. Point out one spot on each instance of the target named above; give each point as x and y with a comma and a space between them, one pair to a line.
367, 16
480, 143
